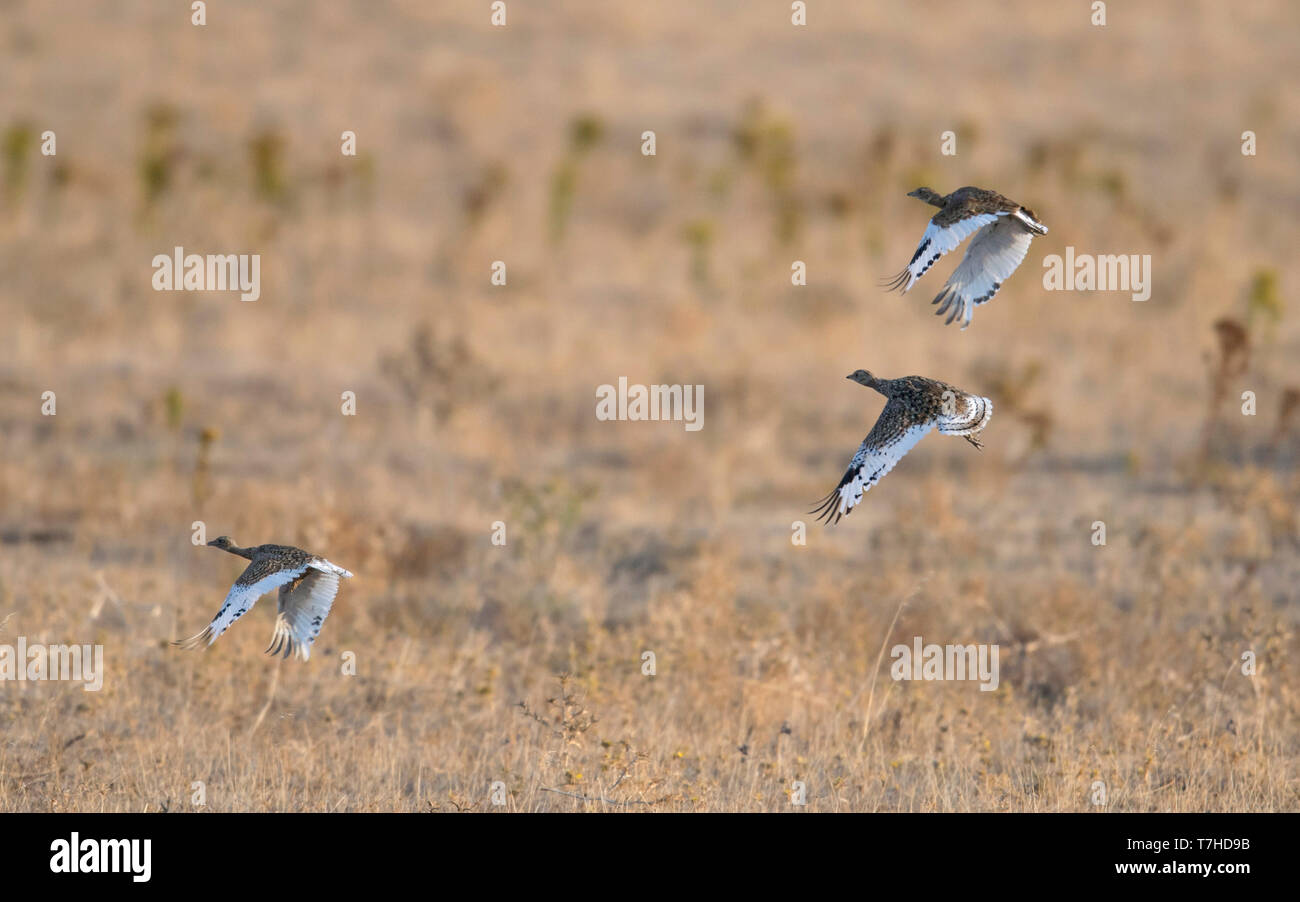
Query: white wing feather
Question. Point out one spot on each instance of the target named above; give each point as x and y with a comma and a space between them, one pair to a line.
868, 467
239, 601
992, 257
937, 241
303, 609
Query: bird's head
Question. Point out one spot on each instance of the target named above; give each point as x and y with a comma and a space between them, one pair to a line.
862, 377
928, 195
222, 542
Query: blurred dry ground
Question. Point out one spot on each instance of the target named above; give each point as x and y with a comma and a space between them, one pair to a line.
522, 663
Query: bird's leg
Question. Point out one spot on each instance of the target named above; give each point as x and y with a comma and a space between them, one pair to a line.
974, 441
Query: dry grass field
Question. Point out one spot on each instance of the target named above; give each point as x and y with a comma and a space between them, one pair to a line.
475, 403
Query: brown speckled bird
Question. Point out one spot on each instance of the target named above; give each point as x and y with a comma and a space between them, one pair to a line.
307, 583
1003, 230
916, 405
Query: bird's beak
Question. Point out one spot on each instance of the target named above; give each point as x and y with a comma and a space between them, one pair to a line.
849, 376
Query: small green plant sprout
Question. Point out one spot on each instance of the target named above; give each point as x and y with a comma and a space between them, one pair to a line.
1263, 303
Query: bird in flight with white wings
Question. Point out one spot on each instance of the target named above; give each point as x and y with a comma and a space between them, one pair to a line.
915, 406
307, 584
1002, 229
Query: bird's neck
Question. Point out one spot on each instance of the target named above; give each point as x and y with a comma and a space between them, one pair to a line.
242, 552
935, 200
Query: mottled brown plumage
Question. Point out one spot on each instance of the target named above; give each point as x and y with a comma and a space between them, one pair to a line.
307, 584
915, 406
1003, 230
970, 201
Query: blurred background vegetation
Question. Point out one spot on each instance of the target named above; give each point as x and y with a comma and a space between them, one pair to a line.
475, 403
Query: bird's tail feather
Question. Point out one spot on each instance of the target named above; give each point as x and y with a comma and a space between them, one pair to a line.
1030, 222
329, 565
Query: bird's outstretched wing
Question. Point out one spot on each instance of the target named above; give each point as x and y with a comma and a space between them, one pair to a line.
304, 605
883, 447
256, 580
993, 256
937, 241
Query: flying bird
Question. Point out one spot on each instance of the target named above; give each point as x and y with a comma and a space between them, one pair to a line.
307, 584
1002, 229
915, 406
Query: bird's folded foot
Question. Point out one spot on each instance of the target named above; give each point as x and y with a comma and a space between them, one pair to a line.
974, 441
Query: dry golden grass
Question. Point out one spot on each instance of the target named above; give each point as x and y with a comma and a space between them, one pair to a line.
522, 664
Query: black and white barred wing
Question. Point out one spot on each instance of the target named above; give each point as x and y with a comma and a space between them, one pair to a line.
963, 414
937, 241
253, 583
883, 447
992, 257
304, 605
